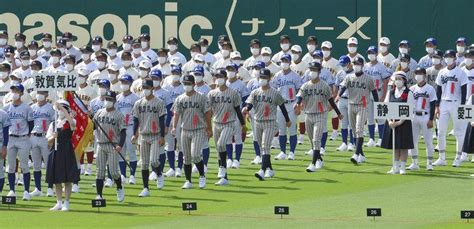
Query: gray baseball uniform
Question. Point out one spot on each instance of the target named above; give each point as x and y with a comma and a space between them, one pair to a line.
125, 105
4, 122
42, 116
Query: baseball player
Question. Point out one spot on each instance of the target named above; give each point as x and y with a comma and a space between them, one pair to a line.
381, 76
352, 44
314, 97
343, 105
125, 102
21, 117
403, 49
425, 102
468, 68
252, 85
237, 85
285, 44
127, 67
109, 144
405, 66
430, 47
451, 91
149, 121
43, 114
175, 89
287, 83
461, 44
194, 111
311, 45
173, 47
358, 86
265, 100
436, 66
255, 47
225, 104
4, 127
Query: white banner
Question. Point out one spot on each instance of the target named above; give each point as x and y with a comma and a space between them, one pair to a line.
400, 111
466, 113
46, 81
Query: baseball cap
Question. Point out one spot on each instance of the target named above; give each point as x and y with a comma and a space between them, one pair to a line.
431, 41
172, 40
83, 71
103, 82
344, 60
352, 40
315, 65
145, 36
400, 73
420, 70
462, 39
198, 69
232, 66
266, 50
286, 56
384, 40
235, 54
259, 65
438, 53
449, 53
176, 69
127, 78
37, 63
127, 38
404, 42
312, 38
296, 48
97, 39
372, 49
156, 73
110, 94
147, 83
284, 36
63, 103
255, 41
199, 57
145, 64
220, 73
114, 67
67, 35
86, 49
326, 44
358, 60
20, 36
405, 56
317, 53
188, 79
33, 44
18, 86
265, 72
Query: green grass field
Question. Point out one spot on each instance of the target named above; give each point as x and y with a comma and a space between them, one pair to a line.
335, 197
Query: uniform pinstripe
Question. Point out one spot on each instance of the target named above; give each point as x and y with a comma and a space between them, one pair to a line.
113, 123
222, 104
343, 104
148, 113
315, 99
243, 92
192, 113
359, 90
265, 104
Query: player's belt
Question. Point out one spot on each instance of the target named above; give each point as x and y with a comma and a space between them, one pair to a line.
344, 97
448, 100
39, 134
18, 136
290, 101
421, 113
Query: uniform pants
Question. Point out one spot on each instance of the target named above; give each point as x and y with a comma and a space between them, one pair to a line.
264, 132
343, 107
282, 123
18, 147
107, 156
357, 118
191, 144
449, 110
150, 151
128, 147
419, 127
223, 135
39, 151
316, 125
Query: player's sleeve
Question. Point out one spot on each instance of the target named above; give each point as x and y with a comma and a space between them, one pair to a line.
206, 107
463, 80
279, 100
250, 98
237, 100
411, 98
122, 121
439, 79
135, 109
385, 72
432, 94
371, 84
299, 94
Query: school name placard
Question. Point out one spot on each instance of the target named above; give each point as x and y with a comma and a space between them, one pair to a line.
400, 111
56, 82
466, 113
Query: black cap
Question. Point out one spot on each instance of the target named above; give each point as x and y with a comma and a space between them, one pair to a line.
203, 41
87, 49
61, 41
315, 65
67, 35
47, 36
147, 83
55, 51
162, 50
223, 38
172, 39
20, 36
9, 49
136, 41
5, 66
37, 63
405, 56
265, 72
220, 72
126, 54
33, 43
358, 60
145, 36
450, 53
101, 54
110, 94
70, 57
284, 36
127, 38
438, 53
469, 53
97, 39
420, 70
112, 44
25, 54
312, 38
226, 43
188, 79
255, 41
195, 45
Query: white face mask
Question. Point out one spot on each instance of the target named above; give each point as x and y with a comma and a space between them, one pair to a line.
137, 51
3, 75
435, 61
142, 73
449, 60
96, 48
162, 59
69, 67
15, 82
357, 68
126, 46
172, 47
61, 115
85, 57
468, 61
255, 51
112, 52
265, 59
126, 63
383, 49
255, 73
32, 52
112, 76
156, 83
372, 57
285, 66
19, 44
100, 64
108, 104
295, 56
3, 41
124, 87
399, 83
314, 75
237, 62
175, 78
16, 96
311, 48
203, 49
193, 54
404, 65
230, 74
147, 92
460, 49
144, 44
326, 54
54, 59
81, 80
284, 47
25, 63
47, 44
352, 50
225, 53
419, 78
429, 50
263, 82
101, 91
40, 97
403, 50
220, 81
198, 79
188, 88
